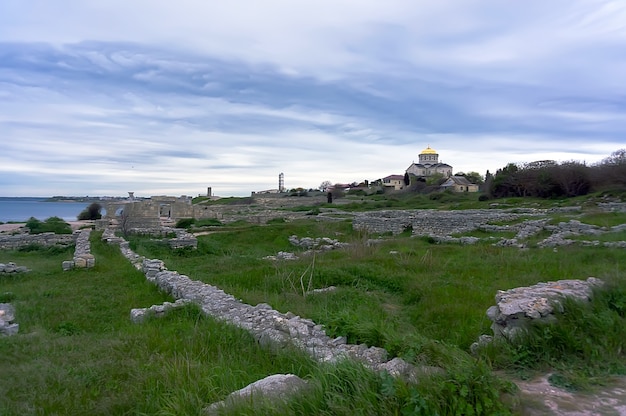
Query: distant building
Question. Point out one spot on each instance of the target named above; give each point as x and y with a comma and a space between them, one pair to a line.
459, 184
429, 165
394, 181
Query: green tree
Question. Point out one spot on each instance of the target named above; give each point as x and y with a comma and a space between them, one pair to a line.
92, 212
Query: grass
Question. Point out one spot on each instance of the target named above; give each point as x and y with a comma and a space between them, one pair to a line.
404, 290
78, 353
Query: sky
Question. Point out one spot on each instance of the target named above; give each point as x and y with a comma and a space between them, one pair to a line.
168, 98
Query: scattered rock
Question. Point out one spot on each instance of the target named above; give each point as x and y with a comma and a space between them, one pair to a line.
270, 388
7, 316
11, 267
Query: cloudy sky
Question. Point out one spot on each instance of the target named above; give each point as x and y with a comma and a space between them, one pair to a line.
170, 97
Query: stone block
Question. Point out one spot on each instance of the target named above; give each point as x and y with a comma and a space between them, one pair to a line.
80, 263
138, 315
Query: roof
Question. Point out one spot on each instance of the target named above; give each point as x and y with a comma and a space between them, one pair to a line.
394, 177
428, 151
457, 180
430, 166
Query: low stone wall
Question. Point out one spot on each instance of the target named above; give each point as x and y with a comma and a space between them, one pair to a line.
138, 315
16, 241
270, 327
182, 238
432, 222
82, 253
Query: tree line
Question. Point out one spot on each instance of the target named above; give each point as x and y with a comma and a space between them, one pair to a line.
549, 179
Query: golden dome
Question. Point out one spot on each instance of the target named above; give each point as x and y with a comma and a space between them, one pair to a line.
428, 151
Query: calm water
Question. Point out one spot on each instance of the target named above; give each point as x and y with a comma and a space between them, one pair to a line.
21, 209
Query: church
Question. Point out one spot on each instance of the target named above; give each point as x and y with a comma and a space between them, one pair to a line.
429, 165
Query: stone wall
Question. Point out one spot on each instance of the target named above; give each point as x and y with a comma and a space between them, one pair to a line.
181, 238
270, 327
82, 252
147, 213
432, 222
16, 241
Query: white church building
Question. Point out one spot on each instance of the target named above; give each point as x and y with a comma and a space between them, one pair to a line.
429, 165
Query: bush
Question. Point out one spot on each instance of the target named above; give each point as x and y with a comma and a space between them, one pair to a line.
51, 225
185, 222
208, 222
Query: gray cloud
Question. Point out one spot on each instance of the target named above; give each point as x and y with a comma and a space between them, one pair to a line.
172, 98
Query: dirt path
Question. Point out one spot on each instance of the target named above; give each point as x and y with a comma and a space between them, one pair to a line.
539, 398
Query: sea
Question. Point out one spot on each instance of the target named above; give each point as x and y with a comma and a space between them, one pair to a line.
13, 209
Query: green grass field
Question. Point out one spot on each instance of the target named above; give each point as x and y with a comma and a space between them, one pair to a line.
78, 352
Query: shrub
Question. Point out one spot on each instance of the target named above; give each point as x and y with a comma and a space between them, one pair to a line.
51, 225
185, 222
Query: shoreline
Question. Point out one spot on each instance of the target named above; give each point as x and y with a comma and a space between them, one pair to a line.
9, 227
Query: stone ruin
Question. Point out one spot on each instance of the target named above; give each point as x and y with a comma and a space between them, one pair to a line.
517, 308
7, 317
82, 253
10, 268
19, 240
311, 245
441, 225
139, 315
271, 388
145, 213
432, 222
181, 239
269, 327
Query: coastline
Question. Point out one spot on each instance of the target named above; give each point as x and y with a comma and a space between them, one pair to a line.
10, 227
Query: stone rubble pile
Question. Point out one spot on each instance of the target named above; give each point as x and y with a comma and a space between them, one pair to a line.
282, 255
310, 245
321, 244
11, 267
7, 317
82, 253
